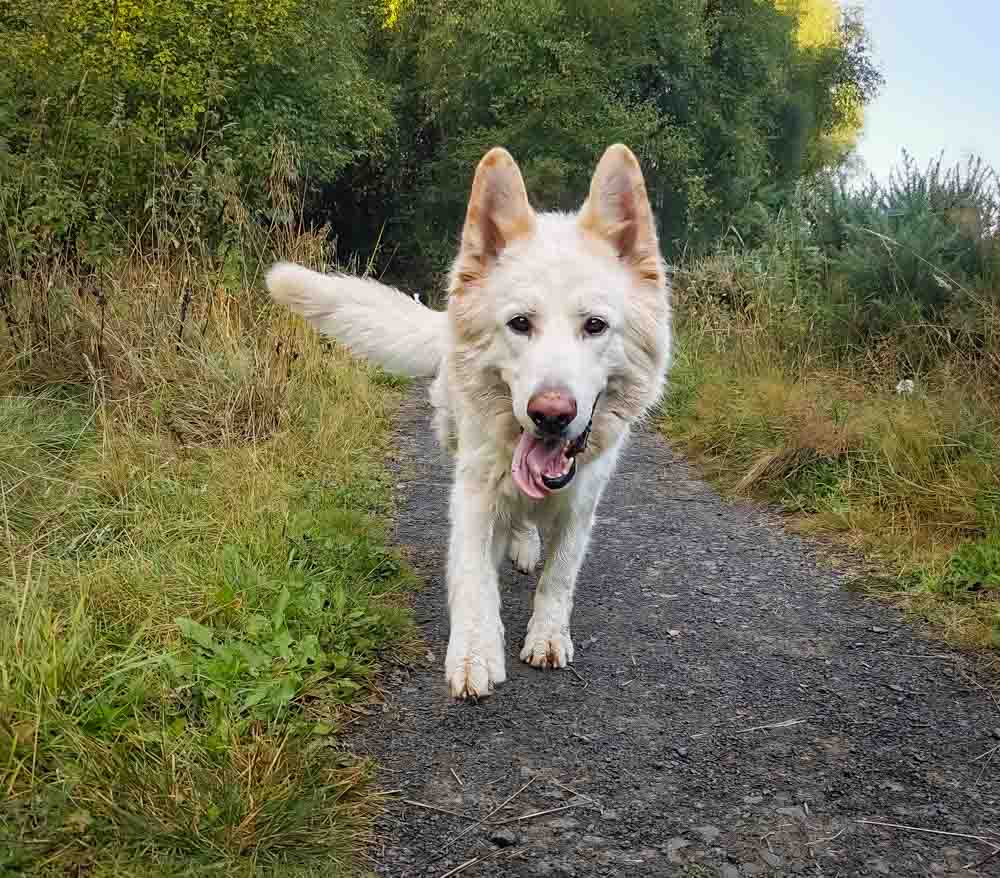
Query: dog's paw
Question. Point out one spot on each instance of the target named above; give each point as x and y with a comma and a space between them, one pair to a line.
525, 549
547, 646
473, 667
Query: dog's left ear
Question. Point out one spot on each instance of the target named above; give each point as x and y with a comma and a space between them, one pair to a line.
618, 211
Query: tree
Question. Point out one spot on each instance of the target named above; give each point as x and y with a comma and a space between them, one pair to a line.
723, 102
106, 103
835, 42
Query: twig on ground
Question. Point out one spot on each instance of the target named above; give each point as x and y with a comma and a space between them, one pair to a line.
984, 860
766, 837
984, 839
509, 854
455, 774
499, 807
825, 840
462, 867
988, 756
536, 814
782, 725
575, 793
970, 678
441, 810
688, 499
576, 674
989, 752
922, 655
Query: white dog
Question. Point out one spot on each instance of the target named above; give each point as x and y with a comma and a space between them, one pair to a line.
556, 340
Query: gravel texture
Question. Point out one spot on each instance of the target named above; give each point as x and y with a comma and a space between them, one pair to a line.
733, 711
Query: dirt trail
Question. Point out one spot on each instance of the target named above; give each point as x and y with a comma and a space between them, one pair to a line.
734, 711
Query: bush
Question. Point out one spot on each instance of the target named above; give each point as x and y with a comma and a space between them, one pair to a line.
910, 250
901, 276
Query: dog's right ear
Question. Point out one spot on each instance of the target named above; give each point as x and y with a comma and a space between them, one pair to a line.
498, 214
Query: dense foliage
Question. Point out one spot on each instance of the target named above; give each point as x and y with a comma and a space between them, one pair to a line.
118, 116
722, 102
146, 116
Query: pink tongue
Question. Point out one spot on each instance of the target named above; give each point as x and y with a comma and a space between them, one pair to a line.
532, 460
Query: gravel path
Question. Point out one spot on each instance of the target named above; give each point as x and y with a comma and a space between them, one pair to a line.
733, 711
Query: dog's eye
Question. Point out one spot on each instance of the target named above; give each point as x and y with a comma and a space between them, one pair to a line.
594, 326
520, 324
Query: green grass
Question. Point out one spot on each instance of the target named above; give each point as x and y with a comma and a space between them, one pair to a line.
911, 482
196, 588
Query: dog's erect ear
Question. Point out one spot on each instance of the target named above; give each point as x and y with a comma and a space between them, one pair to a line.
618, 210
498, 215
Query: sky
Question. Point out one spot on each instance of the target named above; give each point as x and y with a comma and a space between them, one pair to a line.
942, 90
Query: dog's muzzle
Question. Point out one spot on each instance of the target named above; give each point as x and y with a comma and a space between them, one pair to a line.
541, 466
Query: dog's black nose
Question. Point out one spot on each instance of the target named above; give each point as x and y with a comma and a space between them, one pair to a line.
552, 411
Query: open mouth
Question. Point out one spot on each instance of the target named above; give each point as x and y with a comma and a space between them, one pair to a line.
541, 466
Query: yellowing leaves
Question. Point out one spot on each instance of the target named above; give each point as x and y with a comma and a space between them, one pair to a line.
392, 9
819, 21
819, 28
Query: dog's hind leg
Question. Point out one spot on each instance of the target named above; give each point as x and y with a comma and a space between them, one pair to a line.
525, 547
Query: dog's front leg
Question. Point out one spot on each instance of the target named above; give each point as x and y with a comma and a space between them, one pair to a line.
475, 660
548, 643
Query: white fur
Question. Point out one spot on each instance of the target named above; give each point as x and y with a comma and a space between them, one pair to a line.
370, 319
525, 547
558, 270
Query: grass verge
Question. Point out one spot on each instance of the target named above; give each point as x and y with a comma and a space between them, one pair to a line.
196, 585
910, 480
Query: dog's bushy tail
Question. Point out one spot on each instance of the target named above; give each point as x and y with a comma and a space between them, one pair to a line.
370, 319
